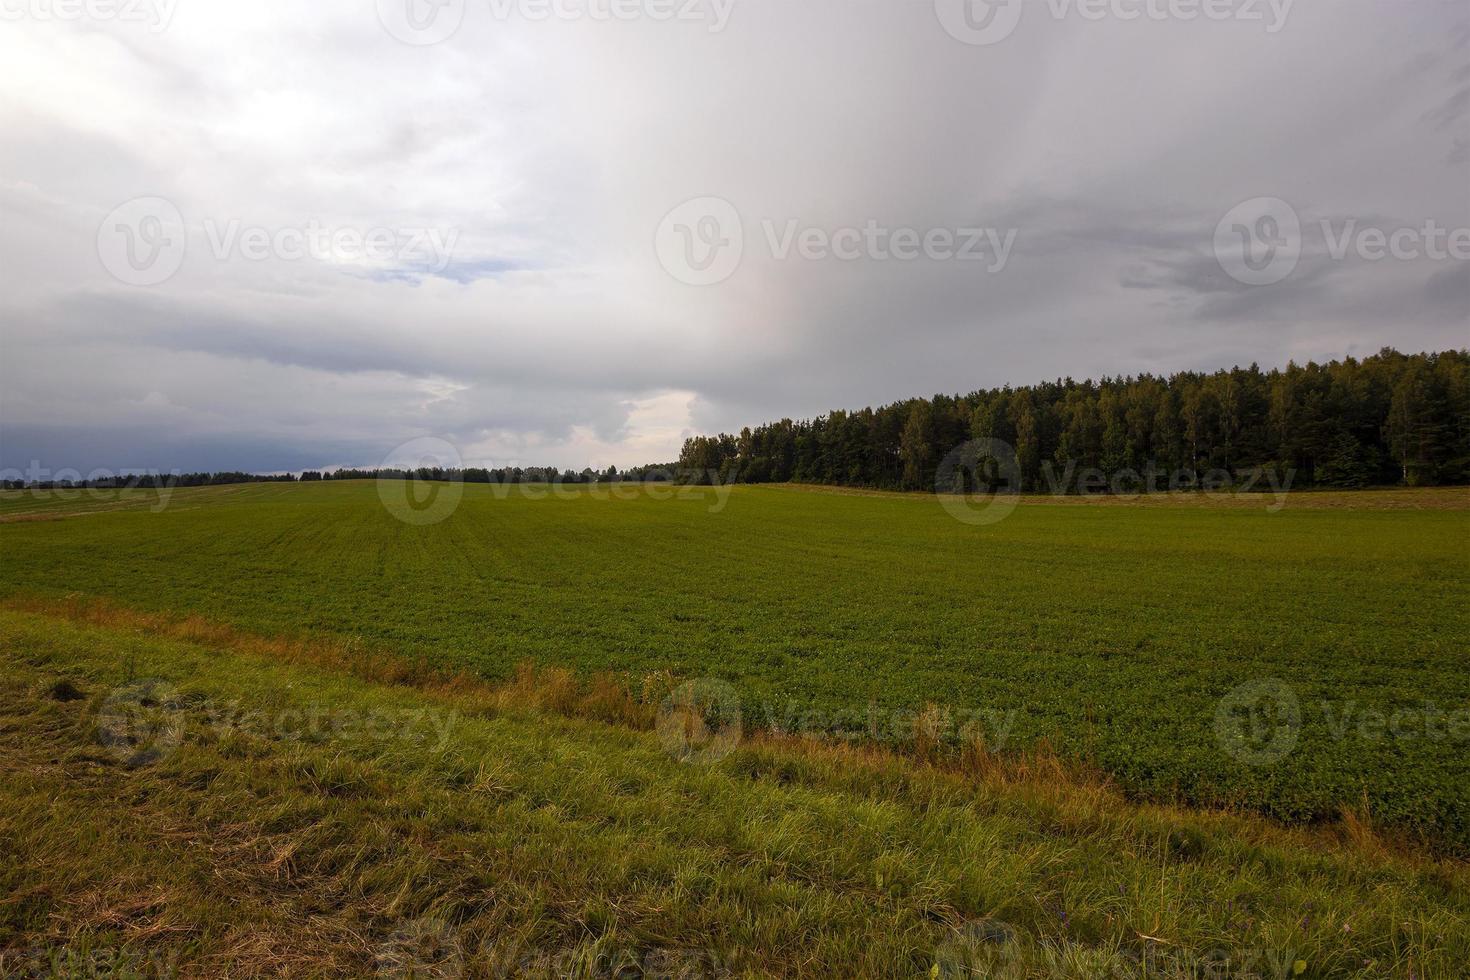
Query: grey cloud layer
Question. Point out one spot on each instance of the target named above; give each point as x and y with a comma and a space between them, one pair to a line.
553, 149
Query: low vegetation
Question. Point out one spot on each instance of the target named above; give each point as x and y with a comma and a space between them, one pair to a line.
1298, 662
240, 805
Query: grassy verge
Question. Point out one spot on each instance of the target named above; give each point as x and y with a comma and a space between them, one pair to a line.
226, 809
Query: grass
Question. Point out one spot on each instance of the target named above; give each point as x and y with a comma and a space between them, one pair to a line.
1163, 642
1112, 632
242, 805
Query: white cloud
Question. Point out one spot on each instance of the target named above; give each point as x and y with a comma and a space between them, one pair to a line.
551, 150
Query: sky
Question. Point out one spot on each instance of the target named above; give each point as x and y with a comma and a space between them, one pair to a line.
273, 236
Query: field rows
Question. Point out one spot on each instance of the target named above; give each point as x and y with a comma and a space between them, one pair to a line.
1111, 632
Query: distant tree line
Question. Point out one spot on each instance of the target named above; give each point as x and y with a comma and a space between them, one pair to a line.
1388, 419
471, 474
147, 481
505, 474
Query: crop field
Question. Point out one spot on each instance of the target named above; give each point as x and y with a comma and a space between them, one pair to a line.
181, 801
1299, 660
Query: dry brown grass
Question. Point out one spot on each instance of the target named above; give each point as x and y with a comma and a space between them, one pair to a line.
313, 934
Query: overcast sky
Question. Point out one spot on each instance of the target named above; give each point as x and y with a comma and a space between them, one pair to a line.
350, 237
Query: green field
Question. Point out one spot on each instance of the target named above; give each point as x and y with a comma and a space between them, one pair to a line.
171, 808
1111, 631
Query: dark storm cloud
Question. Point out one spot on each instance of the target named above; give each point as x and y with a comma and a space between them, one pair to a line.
549, 154
1449, 290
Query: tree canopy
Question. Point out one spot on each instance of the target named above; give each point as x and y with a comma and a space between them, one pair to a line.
1387, 419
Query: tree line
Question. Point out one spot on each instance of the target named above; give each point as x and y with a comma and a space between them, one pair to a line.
504, 474
145, 481
1388, 419
470, 474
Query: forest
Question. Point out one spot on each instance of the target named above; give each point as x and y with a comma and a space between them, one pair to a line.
1390, 419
